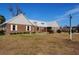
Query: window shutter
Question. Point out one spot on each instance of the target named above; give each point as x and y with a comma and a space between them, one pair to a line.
16, 27
26, 28
29, 28
11, 28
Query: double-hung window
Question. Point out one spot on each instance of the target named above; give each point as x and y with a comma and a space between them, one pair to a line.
13, 27
28, 28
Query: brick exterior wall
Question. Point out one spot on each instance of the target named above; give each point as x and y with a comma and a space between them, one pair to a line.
20, 28
41, 29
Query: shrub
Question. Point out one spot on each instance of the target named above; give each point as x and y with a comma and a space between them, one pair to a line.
33, 32
58, 31
20, 33
51, 31
2, 32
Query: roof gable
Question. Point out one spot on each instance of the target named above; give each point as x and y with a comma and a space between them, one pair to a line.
19, 19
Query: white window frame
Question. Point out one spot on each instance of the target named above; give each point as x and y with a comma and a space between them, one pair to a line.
16, 27
12, 28
27, 28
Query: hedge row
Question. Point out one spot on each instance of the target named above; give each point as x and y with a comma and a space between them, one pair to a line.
21, 33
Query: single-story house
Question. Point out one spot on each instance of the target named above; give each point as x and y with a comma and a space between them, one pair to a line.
20, 23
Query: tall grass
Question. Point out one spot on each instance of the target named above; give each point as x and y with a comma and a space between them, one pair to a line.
36, 44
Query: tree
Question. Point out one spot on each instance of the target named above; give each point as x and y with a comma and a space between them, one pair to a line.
2, 19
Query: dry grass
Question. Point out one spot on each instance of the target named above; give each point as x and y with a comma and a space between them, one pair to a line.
37, 44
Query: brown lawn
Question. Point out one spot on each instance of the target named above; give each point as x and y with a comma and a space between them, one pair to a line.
39, 44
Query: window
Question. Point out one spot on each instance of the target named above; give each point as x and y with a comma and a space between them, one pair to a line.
37, 28
42, 23
28, 28
35, 23
13, 27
